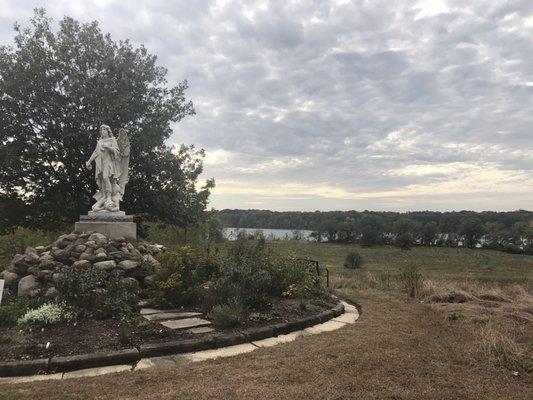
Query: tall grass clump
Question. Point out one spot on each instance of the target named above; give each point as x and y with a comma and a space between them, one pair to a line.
411, 279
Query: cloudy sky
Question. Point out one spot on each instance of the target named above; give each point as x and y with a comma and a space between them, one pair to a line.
317, 105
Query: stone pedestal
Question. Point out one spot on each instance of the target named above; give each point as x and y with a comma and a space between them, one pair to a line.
112, 224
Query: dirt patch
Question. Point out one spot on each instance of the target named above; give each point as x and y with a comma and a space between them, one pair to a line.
89, 335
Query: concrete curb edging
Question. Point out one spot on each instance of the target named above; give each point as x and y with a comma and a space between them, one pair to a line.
49, 368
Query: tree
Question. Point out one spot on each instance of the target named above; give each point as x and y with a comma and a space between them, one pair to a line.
428, 233
471, 230
495, 235
56, 89
370, 228
405, 230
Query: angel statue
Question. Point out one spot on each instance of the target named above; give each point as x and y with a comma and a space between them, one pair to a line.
111, 158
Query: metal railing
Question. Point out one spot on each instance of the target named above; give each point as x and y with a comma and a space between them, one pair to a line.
320, 271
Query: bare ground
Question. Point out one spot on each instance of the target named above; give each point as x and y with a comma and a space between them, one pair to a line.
399, 349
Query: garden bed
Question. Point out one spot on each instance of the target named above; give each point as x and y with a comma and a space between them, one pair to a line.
91, 335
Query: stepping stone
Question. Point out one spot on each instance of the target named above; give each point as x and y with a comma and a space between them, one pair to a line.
146, 311
171, 315
185, 323
203, 329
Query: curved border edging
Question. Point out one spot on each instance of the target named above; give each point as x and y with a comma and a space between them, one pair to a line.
133, 355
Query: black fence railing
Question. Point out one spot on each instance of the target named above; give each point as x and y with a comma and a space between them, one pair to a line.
321, 272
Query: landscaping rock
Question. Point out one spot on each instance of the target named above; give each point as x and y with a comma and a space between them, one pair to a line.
11, 279
61, 256
80, 248
120, 255
87, 256
31, 256
91, 244
128, 265
150, 260
98, 238
101, 256
106, 265
46, 261
44, 275
81, 264
28, 287
19, 265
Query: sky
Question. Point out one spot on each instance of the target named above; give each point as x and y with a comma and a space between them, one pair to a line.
341, 105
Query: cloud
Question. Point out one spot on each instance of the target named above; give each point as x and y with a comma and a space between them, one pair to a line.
343, 104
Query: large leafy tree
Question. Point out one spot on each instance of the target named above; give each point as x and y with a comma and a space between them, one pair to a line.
56, 88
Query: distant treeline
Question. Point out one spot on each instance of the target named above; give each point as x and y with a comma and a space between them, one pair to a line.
508, 231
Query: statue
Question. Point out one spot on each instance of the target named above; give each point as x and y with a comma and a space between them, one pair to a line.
111, 158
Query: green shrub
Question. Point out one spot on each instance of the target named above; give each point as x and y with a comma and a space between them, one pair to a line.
80, 288
353, 260
260, 317
93, 293
46, 315
121, 300
180, 277
227, 315
11, 312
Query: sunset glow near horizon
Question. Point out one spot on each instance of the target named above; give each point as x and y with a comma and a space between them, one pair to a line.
316, 105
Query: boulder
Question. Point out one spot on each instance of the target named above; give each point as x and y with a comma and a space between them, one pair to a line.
92, 244
44, 275
128, 265
81, 264
46, 261
34, 270
120, 255
39, 249
98, 238
31, 256
11, 279
101, 256
19, 265
28, 287
106, 265
80, 248
87, 256
61, 256
149, 259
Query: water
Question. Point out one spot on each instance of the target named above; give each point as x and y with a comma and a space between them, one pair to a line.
269, 234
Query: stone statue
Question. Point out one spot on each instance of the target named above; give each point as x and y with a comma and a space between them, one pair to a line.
111, 158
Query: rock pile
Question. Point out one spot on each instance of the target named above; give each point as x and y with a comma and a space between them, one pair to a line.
34, 273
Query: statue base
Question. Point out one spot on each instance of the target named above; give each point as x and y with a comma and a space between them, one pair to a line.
112, 224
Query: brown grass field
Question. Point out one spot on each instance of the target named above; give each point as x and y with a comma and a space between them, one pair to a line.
400, 348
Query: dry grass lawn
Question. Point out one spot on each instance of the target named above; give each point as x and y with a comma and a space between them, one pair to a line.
399, 349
